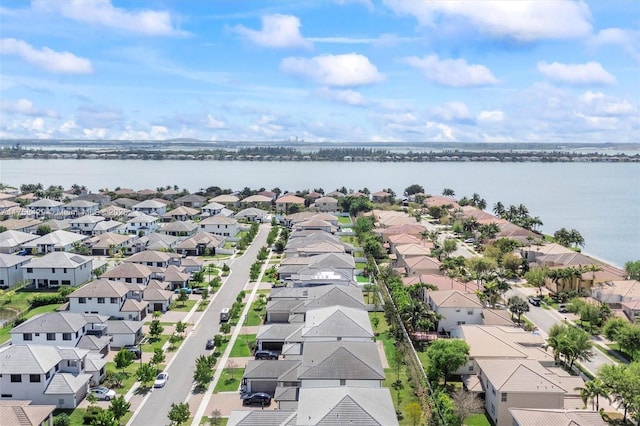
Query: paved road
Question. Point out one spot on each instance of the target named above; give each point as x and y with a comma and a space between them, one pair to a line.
544, 319
155, 408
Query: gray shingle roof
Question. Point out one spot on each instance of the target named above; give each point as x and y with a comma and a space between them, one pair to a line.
262, 418
59, 259
52, 322
28, 359
101, 288
263, 369
341, 360
57, 238
9, 260
65, 383
20, 413
337, 321
123, 327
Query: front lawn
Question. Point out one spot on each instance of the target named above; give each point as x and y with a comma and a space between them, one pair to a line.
130, 375
241, 346
150, 344
479, 419
182, 307
76, 416
229, 382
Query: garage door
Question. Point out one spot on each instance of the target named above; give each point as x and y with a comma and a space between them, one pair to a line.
264, 386
272, 346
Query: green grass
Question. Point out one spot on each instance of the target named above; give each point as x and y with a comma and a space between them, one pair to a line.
150, 346
362, 279
344, 220
255, 315
131, 375
180, 307
240, 347
227, 383
222, 421
4, 331
479, 419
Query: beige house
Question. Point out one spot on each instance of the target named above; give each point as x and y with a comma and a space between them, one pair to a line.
421, 265
284, 203
542, 416
326, 204
455, 307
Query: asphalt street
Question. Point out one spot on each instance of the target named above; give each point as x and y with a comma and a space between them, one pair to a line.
155, 407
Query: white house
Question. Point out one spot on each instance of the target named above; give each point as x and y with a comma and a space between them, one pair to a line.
455, 307
85, 224
108, 298
220, 225
12, 241
46, 207
337, 323
54, 241
153, 258
142, 223
212, 209
43, 375
129, 273
58, 268
11, 272
326, 204
124, 333
151, 207
52, 329
78, 208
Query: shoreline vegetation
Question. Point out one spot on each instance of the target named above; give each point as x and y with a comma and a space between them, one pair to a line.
251, 151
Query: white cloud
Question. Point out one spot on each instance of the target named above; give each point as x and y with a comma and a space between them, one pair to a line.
349, 69
452, 72
490, 116
280, 31
103, 13
453, 111
25, 107
50, 60
214, 123
597, 103
520, 20
579, 74
629, 40
366, 3
267, 126
350, 97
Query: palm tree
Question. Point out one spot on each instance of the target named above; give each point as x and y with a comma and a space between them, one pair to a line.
592, 391
448, 192
417, 317
498, 209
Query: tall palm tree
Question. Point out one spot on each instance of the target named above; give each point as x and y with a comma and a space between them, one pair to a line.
498, 209
448, 192
592, 391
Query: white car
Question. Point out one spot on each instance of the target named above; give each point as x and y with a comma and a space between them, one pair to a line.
102, 393
161, 380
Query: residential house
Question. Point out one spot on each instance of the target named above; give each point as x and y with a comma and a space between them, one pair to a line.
251, 214
23, 413
114, 212
421, 265
285, 202
556, 417
142, 224
402, 252
336, 323
263, 375
109, 225
212, 209
181, 213
28, 225
53, 329
85, 224
344, 264
191, 200
153, 258
113, 299
108, 244
77, 208
58, 224
257, 200
101, 200
202, 243
58, 268
631, 309
326, 204
228, 200
514, 383
280, 416
54, 241
315, 225
46, 208
192, 265
275, 336
155, 241
220, 225
455, 308
12, 241
41, 375
150, 207
179, 228
124, 333
11, 271
129, 273
381, 196
157, 296
613, 293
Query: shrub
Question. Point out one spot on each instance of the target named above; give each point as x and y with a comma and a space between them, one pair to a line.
91, 414
41, 300
61, 419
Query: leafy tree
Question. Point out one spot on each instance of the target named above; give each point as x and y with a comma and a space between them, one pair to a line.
104, 418
43, 229
416, 316
179, 413
414, 410
629, 339
445, 406
446, 356
572, 343
62, 419
591, 314
146, 373
181, 327
623, 384
123, 359
633, 269
518, 306
183, 296
155, 329
203, 373
413, 189
158, 356
448, 192
613, 326
536, 277
119, 407
449, 246
466, 403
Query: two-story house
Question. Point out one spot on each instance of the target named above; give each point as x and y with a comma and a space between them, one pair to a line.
77, 208
84, 224
129, 273
11, 241
52, 328
150, 207
109, 298
11, 272
142, 224
54, 241
58, 268
154, 258
220, 225
211, 209
326, 204
46, 208
455, 308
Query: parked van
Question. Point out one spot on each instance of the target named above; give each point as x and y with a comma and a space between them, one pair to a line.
224, 315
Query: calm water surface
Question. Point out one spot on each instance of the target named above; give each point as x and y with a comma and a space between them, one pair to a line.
600, 200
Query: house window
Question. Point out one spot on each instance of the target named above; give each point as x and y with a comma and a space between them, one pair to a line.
47, 375
53, 270
493, 409
6, 395
471, 368
66, 336
127, 280
470, 312
16, 378
82, 300
27, 336
64, 270
343, 382
461, 322
101, 300
34, 378
29, 270
51, 336
66, 282
503, 397
113, 300
139, 280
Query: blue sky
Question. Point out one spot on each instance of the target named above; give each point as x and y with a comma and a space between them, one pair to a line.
332, 70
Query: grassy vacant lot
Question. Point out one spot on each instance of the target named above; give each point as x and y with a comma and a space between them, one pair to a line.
150, 346
180, 307
241, 346
344, 220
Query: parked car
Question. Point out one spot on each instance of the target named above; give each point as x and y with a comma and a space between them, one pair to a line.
161, 380
199, 290
102, 393
186, 290
261, 398
535, 301
562, 308
134, 350
470, 240
263, 354
210, 344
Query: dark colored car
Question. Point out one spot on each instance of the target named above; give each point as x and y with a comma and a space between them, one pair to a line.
563, 308
210, 344
134, 350
260, 398
535, 301
262, 354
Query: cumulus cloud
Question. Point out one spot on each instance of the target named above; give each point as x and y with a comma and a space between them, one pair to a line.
103, 13
597, 103
90, 116
25, 107
214, 123
629, 40
453, 111
490, 116
578, 74
452, 72
278, 31
519, 20
267, 126
45, 58
349, 97
350, 69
